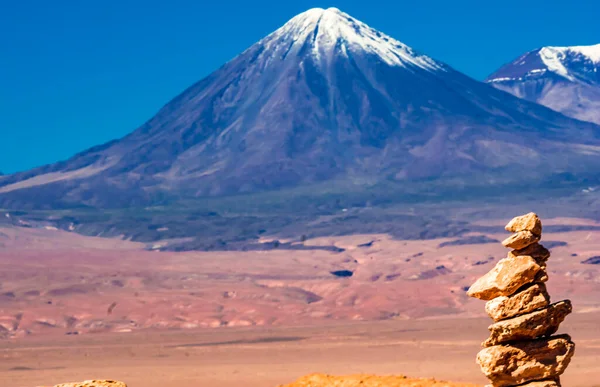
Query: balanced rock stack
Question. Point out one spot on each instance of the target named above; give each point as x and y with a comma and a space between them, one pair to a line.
520, 350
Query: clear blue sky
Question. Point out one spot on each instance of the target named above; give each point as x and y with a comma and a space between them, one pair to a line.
77, 73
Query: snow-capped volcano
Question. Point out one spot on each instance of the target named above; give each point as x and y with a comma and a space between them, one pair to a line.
566, 79
324, 99
577, 63
330, 31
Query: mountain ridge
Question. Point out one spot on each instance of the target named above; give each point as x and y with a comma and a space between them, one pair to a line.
323, 98
558, 60
565, 79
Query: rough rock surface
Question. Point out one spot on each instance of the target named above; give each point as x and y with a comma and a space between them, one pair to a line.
527, 300
522, 362
536, 251
505, 278
542, 276
528, 222
543, 322
321, 380
521, 240
519, 350
544, 383
94, 383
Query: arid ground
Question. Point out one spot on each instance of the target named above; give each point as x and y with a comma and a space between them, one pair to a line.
267, 357
75, 307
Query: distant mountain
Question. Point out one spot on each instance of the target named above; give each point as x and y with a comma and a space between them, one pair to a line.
324, 99
566, 79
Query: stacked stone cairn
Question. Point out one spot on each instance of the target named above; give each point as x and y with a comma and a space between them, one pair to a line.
521, 350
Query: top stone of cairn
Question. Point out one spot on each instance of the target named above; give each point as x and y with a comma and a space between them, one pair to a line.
527, 231
529, 222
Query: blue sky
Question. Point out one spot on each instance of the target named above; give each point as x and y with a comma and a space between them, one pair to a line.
75, 73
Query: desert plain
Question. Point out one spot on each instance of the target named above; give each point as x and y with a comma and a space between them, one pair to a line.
74, 307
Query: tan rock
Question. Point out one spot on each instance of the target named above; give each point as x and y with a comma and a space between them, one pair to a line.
542, 276
543, 322
527, 300
519, 363
505, 278
362, 380
543, 383
536, 251
94, 383
528, 222
521, 240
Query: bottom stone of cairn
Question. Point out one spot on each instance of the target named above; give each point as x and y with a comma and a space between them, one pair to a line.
527, 361
542, 383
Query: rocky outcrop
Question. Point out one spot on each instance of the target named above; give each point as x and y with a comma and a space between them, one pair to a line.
94, 383
520, 351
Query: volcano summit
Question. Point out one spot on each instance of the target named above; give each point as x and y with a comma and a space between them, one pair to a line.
325, 98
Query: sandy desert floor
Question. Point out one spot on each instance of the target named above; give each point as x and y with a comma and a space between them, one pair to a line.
75, 308
267, 357
56, 282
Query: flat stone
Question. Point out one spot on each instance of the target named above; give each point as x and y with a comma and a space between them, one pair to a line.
94, 383
521, 240
505, 278
528, 222
543, 383
543, 322
536, 251
527, 361
527, 300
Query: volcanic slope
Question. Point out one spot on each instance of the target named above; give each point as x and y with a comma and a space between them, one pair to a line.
325, 98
